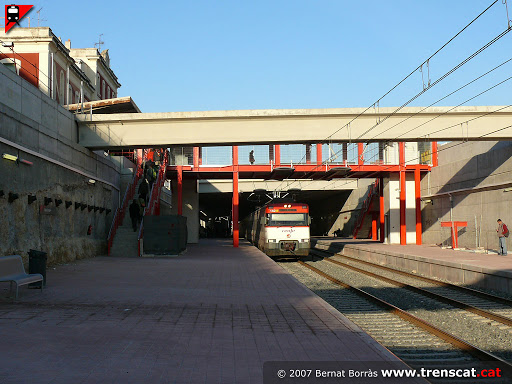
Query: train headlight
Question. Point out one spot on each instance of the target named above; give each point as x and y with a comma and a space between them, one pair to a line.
272, 240
304, 240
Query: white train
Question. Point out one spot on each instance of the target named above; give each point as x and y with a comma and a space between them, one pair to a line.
279, 229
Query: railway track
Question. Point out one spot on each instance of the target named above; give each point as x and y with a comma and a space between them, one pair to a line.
416, 331
483, 304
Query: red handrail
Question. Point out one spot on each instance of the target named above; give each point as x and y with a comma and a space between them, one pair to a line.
366, 206
120, 211
153, 207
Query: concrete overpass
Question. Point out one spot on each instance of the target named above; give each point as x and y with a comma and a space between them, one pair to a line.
294, 126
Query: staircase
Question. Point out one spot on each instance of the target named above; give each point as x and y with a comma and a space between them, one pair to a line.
363, 228
125, 242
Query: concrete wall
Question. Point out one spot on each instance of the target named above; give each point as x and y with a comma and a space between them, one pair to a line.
190, 207
469, 165
36, 128
344, 218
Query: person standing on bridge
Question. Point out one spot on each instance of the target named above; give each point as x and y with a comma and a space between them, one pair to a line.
251, 157
502, 237
134, 214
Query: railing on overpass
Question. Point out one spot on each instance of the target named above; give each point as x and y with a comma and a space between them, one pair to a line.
311, 153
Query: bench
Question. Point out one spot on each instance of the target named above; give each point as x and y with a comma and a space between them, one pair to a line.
13, 271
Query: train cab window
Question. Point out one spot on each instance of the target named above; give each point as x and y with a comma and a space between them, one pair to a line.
277, 219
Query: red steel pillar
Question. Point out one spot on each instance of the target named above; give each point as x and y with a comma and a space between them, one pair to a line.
434, 153
196, 158
235, 197
374, 226
360, 154
403, 228
319, 153
381, 208
277, 155
180, 190
417, 189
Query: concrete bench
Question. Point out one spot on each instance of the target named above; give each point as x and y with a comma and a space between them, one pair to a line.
13, 271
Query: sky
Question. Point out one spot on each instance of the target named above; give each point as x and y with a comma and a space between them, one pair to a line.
226, 55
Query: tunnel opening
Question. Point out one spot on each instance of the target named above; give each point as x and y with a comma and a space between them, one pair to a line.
216, 220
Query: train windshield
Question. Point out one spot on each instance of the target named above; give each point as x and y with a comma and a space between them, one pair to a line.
275, 219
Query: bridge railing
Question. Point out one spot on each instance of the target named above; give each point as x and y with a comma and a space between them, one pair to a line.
383, 153
153, 207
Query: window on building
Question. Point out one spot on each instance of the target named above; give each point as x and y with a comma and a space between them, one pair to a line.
98, 89
62, 87
108, 92
102, 89
77, 97
70, 94
12, 64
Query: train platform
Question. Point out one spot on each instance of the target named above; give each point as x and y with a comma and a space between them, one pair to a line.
213, 315
487, 271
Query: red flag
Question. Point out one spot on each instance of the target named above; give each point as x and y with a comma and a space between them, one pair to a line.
14, 13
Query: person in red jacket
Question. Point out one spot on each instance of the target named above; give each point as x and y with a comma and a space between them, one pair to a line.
502, 237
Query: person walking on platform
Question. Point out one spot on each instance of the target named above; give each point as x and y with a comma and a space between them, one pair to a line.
134, 214
502, 237
251, 157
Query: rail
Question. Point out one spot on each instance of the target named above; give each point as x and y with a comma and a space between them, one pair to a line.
374, 188
448, 337
153, 207
120, 212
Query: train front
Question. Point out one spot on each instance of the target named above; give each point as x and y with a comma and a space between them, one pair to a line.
287, 230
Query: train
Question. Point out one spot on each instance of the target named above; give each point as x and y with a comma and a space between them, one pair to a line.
280, 229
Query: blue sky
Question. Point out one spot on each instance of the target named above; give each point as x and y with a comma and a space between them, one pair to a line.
223, 55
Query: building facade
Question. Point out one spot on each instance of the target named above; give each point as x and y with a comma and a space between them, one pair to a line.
69, 76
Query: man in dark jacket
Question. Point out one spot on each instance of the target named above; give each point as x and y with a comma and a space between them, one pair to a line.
134, 214
144, 189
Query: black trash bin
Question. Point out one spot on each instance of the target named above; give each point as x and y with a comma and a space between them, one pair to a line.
37, 264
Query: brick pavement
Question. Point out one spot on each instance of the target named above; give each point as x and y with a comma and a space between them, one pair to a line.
213, 315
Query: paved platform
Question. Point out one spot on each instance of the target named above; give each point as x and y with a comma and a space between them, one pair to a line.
213, 315
485, 271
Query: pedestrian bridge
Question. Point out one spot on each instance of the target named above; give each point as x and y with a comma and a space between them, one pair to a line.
135, 130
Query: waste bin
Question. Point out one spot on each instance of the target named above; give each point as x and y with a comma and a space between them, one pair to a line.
37, 264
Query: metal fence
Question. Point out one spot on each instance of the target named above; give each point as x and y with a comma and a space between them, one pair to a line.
332, 153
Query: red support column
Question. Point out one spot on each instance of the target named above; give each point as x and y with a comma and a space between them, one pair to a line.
374, 226
234, 214
417, 189
403, 228
319, 153
360, 154
381, 208
277, 155
434, 153
180, 190
196, 158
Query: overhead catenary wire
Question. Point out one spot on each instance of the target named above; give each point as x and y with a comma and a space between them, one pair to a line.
390, 166
444, 97
377, 102
483, 48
